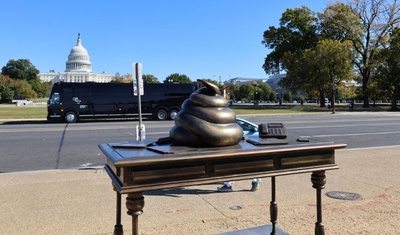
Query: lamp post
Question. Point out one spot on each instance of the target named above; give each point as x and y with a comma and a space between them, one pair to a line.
333, 95
255, 92
279, 95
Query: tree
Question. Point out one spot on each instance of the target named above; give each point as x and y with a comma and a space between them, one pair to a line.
20, 69
42, 89
376, 88
22, 73
288, 96
22, 89
177, 78
246, 92
233, 91
298, 30
262, 91
122, 80
388, 72
335, 59
272, 96
319, 70
149, 78
16, 88
6, 93
304, 73
367, 24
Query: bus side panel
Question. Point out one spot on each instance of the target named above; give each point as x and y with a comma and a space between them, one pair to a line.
165, 96
154, 94
89, 100
125, 102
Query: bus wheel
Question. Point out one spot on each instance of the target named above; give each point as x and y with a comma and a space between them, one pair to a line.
161, 114
173, 113
70, 117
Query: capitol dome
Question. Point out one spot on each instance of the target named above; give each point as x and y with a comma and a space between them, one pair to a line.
78, 59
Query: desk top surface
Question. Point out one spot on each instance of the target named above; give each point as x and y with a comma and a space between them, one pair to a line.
145, 152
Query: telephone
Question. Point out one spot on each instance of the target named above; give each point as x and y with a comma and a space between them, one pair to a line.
272, 130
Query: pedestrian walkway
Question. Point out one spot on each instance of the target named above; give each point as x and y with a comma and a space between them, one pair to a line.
83, 202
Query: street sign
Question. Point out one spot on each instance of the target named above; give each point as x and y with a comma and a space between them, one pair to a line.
138, 86
137, 76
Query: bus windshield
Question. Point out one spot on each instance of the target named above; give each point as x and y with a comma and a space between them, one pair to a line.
55, 98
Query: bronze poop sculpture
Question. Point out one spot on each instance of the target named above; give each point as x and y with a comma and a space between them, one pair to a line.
205, 120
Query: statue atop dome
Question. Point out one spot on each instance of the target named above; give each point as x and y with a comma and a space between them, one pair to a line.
78, 41
78, 59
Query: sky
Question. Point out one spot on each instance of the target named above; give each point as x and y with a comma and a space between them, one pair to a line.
215, 39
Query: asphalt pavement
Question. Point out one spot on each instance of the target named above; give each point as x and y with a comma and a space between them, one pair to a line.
82, 201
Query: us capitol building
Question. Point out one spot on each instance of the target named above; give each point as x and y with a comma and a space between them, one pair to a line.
78, 68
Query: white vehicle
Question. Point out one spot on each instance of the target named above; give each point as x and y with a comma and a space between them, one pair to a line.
248, 127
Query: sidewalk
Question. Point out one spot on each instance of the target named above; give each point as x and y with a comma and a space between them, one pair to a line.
83, 202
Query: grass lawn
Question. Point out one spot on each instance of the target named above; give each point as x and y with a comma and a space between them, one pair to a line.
23, 112
291, 109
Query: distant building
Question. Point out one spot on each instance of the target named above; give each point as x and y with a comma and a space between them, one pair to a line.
78, 68
241, 81
272, 81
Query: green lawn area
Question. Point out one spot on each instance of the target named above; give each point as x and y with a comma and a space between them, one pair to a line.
23, 112
291, 109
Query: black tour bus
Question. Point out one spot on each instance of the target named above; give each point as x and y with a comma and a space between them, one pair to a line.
70, 102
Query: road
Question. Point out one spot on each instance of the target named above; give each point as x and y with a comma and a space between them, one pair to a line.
32, 146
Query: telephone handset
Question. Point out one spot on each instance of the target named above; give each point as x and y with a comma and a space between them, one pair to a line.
272, 130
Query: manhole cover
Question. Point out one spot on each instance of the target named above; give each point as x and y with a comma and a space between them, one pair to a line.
235, 208
343, 195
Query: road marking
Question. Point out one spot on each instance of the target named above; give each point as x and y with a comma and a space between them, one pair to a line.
358, 134
349, 125
73, 128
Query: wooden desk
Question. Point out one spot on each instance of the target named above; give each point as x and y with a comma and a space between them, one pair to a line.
136, 167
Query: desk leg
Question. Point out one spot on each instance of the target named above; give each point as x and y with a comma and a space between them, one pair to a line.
318, 179
135, 204
273, 207
118, 230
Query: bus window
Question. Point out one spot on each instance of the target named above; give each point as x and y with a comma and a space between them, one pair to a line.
55, 99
